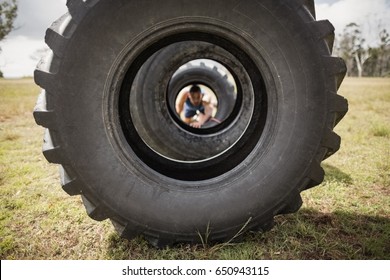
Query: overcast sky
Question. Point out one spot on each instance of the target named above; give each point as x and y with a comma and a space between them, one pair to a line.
35, 16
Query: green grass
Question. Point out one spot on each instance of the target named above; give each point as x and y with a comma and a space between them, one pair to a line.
346, 217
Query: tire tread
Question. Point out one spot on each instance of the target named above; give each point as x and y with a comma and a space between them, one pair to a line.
70, 185
58, 37
52, 153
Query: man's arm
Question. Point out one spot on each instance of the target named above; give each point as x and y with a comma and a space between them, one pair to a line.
203, 118
180, 104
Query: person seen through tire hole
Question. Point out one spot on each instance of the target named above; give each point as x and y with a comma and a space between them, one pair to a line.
191, 104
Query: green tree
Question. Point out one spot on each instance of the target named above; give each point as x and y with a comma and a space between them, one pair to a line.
361, 58
345, 47
351, 47
8, 12
378, 65
384, 53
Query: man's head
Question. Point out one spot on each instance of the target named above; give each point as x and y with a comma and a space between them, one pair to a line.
195, 95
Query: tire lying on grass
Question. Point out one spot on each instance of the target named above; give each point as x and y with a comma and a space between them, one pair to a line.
235, 176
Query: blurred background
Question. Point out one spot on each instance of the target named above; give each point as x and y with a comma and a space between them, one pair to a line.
362, 33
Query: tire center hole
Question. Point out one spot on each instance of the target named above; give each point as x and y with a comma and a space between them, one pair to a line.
188, 112
204, 94
197, 108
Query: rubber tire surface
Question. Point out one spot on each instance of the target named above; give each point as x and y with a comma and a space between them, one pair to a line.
210, 77
156, 122
191, 73
285, 52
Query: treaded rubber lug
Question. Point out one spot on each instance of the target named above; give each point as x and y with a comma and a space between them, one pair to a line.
51, 152
159, 242
70, 185
94, 211
307, 5
310, 6
42, 116
56, 42
74, 5
45, 80
316, 175
324, 31
125, 229
119, 228
339, 105
331, 141
266, 226
294, 202
335, 67
77, 9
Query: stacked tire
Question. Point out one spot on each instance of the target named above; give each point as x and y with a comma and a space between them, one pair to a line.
107, 98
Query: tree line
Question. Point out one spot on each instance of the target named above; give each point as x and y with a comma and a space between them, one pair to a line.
361, 58
8, 12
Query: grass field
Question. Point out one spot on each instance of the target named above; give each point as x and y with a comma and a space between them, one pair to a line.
346, 217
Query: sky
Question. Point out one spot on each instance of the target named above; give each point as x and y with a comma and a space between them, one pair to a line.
35, 16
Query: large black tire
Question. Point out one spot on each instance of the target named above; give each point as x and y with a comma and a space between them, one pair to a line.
252, 167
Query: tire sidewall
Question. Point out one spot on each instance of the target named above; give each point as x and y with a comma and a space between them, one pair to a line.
91, 134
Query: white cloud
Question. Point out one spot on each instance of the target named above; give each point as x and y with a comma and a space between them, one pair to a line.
15, 60
36, 15
370, 15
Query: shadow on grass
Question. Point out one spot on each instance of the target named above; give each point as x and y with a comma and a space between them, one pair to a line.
334, 174
308, 234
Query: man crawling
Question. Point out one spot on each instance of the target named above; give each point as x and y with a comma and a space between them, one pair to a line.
191, 104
